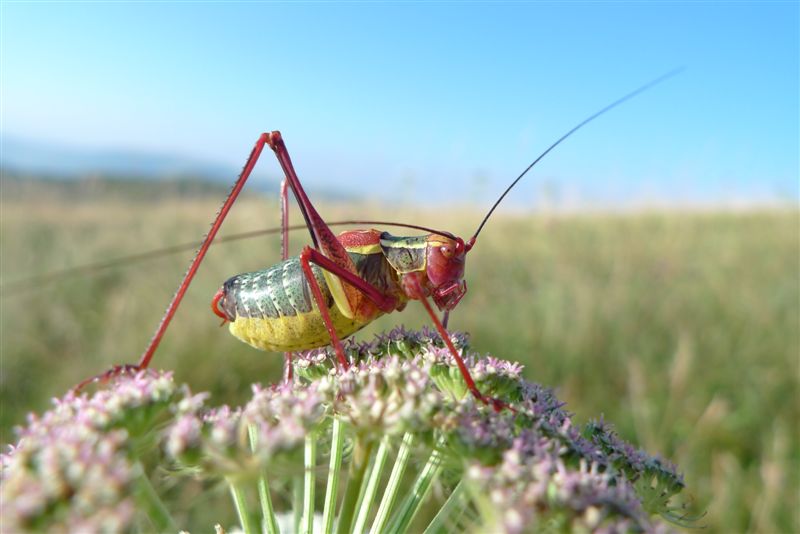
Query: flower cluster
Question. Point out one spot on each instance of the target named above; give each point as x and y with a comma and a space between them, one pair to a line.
384, 397
231, 442
88, 464
534, 487
74, 468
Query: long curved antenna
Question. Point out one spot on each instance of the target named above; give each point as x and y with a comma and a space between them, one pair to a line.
583, 123
38, 281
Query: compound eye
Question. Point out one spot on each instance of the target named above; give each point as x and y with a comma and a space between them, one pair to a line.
447, 251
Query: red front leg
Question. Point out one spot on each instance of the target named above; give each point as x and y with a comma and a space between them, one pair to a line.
413, 281
386, 304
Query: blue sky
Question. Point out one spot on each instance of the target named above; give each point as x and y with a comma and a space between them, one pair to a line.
440, 102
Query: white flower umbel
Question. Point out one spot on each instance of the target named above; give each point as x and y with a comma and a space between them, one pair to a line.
396, 443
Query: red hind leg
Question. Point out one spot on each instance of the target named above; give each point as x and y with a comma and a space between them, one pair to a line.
115, 371
201, 253
321, 235
328, 252
147, 355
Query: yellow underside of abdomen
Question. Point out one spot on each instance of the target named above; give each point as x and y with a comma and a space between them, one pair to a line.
293, 332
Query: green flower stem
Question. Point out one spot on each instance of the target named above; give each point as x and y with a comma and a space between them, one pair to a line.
422, 485
268, 520
486, 510
393, 486
372, 486
297, 502
450, 511
358, 467
334, 470
148, 500
363, 488
241, 507
310, 464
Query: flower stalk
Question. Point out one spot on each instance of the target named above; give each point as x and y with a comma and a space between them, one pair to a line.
240, 502
149, 500
269, 522
419, 491
353, 493
376, 469
298, 494
450, 512
334, 470
310, 464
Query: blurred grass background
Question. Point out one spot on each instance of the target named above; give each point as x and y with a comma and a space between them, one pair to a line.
680, 327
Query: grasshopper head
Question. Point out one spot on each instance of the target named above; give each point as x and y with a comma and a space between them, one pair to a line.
445, 270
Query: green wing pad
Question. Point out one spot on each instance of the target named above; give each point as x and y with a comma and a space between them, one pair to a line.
405, 254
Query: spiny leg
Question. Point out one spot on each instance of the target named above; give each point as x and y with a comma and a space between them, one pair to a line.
115, 371
385, 303
356, 299
201, 253
147, 355
284, 220
321, 235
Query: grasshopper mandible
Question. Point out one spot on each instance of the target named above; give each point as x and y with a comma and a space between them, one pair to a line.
341, 283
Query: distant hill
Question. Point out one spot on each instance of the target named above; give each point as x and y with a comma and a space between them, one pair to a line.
24, 187
42, 158
94, 172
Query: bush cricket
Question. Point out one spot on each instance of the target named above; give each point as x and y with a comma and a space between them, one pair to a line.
340, 283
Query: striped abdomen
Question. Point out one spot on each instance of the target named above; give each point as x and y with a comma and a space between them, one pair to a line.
274, 309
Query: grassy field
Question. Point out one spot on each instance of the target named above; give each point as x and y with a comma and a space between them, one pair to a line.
680, 328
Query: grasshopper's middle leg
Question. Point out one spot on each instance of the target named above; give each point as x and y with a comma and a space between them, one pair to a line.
385, 303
